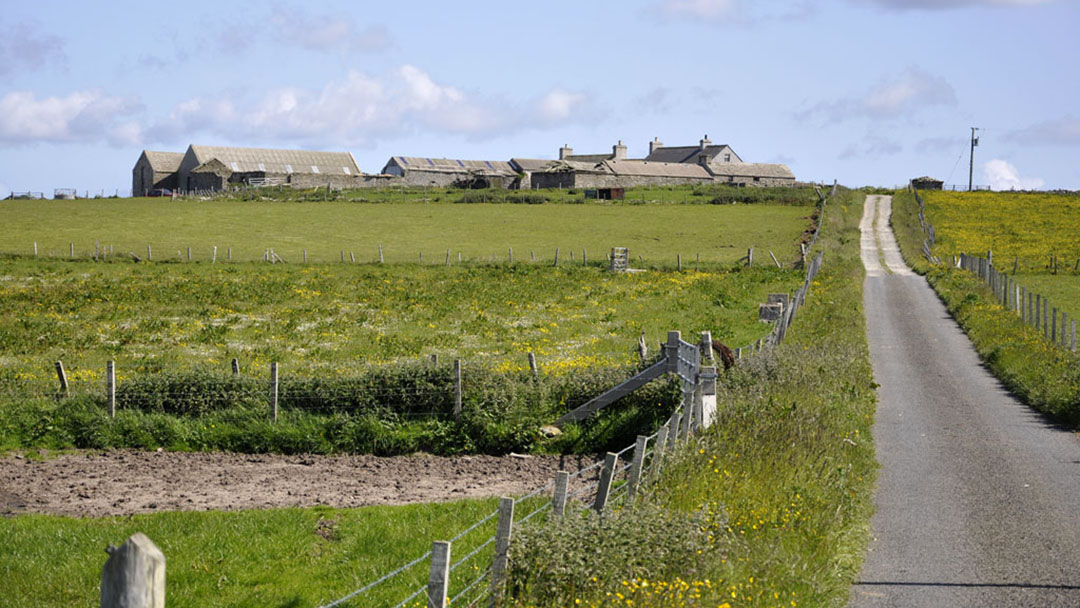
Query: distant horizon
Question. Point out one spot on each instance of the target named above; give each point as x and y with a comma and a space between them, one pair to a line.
867, 92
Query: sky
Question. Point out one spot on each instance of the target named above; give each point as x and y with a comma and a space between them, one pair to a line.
866, 92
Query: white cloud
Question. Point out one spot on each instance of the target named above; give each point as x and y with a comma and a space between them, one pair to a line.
1001, 175
873, 146
903, 95
948, 4
1063, 131
328, 32
82, 116
713, 11
360, 108
22, 47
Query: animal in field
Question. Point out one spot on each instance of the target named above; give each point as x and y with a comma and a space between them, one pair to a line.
727, 356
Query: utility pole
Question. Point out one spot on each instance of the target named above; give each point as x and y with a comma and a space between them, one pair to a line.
971, 166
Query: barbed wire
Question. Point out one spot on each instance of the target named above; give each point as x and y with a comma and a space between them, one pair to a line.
380, 580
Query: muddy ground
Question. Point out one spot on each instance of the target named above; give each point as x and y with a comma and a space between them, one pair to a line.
97, 484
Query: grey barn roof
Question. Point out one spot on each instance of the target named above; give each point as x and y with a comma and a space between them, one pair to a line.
165, 162
775, 171
654, 169
684, 154
452, 165
251, 160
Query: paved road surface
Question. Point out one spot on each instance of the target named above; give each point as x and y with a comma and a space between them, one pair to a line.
978, 499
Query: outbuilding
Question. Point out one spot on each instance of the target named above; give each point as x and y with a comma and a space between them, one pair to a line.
155, 170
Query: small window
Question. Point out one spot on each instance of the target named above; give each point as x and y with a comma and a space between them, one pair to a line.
314, 169
727, 158
235, 166
346, 170
262, 167
757, 179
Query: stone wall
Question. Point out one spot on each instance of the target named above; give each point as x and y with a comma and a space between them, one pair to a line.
594, 180
144, 179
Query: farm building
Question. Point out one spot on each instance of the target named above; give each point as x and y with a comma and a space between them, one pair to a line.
927, 183
155, 170
704, 162
442, 172
258, 166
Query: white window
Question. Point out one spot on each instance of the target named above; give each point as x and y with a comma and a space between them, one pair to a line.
314, 169
346, 170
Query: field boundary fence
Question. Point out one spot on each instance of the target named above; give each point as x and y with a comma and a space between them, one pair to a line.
929, 234
1033, 309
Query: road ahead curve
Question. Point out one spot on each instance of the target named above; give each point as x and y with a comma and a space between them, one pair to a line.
978, 499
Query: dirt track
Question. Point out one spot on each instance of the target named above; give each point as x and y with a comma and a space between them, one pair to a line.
95, 484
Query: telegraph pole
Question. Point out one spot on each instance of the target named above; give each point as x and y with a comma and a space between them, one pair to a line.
971, 166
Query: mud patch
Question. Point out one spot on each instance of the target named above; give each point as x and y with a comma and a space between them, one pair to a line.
97, 484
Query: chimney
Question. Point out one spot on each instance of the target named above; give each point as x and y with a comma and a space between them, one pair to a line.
618, 151
655, 145
565, 151
705, 143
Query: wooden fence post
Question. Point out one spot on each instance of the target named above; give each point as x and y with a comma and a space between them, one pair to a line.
213, 258
228, 254
71, 250
510, 255
273, 390
749, 257
305, 256
503, 530
558, 500
61, 375
434, 359
635, 466
189, 254
611, 460
380, 253
457, 388
235, 367
35, 248
134, 575
532, 365
678, 262
673, 429
110, 387
439, 577
1073, 347
149, 254
556, 256
584, 256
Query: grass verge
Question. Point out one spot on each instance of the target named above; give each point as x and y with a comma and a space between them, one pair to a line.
779, 489
1042, 375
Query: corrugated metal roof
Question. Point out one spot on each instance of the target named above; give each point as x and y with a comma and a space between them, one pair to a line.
685, 154
249, 160
452, 165
752, 170
166, 162
647, 168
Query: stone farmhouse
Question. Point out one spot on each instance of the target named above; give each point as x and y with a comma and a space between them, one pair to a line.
210, 168
215, 168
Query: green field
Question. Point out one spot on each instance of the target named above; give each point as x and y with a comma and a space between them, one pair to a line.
1063, 290
778, 494
655, 234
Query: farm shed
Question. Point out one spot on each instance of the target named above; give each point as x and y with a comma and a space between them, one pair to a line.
442, 172
927, 183
155, 170
753, 174
617, 174
297, 168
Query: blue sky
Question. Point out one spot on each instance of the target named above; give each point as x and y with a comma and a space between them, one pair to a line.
869, 92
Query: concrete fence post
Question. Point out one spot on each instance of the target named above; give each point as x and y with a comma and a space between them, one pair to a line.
706, 347
558, 499
636, 465
273, 390
457, 388
110, 387
503, 530
134, 575
61, 375
658, 450
607, 475
439, 576
708, 396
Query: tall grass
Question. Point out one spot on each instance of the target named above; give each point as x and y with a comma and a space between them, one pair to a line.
780, 486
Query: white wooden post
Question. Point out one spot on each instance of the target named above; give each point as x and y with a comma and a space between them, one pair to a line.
110, 387
134, 575
636, 464
213, 258
380, 253
439, 577
228, 255
149, 254
673, 429
532, 365
457, 388
71, 249
510, 255
503, 531
273, 390
35, 248
611, 460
